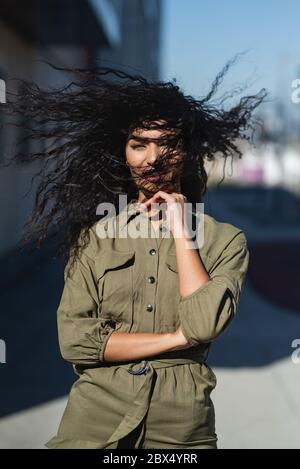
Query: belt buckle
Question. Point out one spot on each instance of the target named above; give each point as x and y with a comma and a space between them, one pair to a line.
142, 370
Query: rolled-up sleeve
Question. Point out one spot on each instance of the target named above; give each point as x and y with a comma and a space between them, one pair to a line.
205, 313
82, 334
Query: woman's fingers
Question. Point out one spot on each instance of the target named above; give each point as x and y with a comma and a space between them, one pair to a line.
159, 195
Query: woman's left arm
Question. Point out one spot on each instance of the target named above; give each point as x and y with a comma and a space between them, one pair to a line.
206, 312
191, 271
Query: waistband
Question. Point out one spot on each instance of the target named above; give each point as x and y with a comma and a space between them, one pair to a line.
195, 354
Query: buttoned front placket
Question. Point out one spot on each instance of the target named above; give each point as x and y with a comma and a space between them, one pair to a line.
150, 249
153, 254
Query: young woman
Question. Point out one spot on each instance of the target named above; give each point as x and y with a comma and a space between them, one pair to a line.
138, 313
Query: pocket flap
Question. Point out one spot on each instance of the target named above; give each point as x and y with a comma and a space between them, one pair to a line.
109, 260
171, 261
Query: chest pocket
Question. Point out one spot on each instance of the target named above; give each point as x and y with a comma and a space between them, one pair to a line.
114, 271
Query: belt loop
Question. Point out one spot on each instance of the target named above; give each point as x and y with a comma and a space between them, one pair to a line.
141, 370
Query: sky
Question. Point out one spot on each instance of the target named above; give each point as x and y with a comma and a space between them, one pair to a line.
200, 36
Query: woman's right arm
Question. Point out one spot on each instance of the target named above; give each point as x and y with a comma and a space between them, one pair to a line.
126, 346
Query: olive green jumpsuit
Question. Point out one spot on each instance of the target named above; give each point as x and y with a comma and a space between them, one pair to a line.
130, 284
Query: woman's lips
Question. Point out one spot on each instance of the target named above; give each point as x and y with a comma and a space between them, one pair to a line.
155, 177
152, 178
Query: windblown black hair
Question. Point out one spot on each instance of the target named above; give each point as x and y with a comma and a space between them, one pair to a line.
84, 128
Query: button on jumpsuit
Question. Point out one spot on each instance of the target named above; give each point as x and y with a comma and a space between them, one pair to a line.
130, 284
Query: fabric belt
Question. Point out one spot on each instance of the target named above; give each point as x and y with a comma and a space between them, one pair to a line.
145, 371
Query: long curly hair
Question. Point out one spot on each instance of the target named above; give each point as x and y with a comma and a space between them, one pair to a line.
84, 127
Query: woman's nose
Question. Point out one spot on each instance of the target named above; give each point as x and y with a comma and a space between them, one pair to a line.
153, 153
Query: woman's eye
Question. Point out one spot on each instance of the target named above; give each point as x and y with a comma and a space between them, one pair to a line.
138, 146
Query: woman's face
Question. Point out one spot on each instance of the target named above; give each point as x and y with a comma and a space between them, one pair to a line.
142, 155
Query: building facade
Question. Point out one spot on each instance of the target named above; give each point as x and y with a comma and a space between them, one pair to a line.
67, 33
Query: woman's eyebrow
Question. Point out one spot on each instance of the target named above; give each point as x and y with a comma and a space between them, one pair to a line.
137, 138
144, 140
